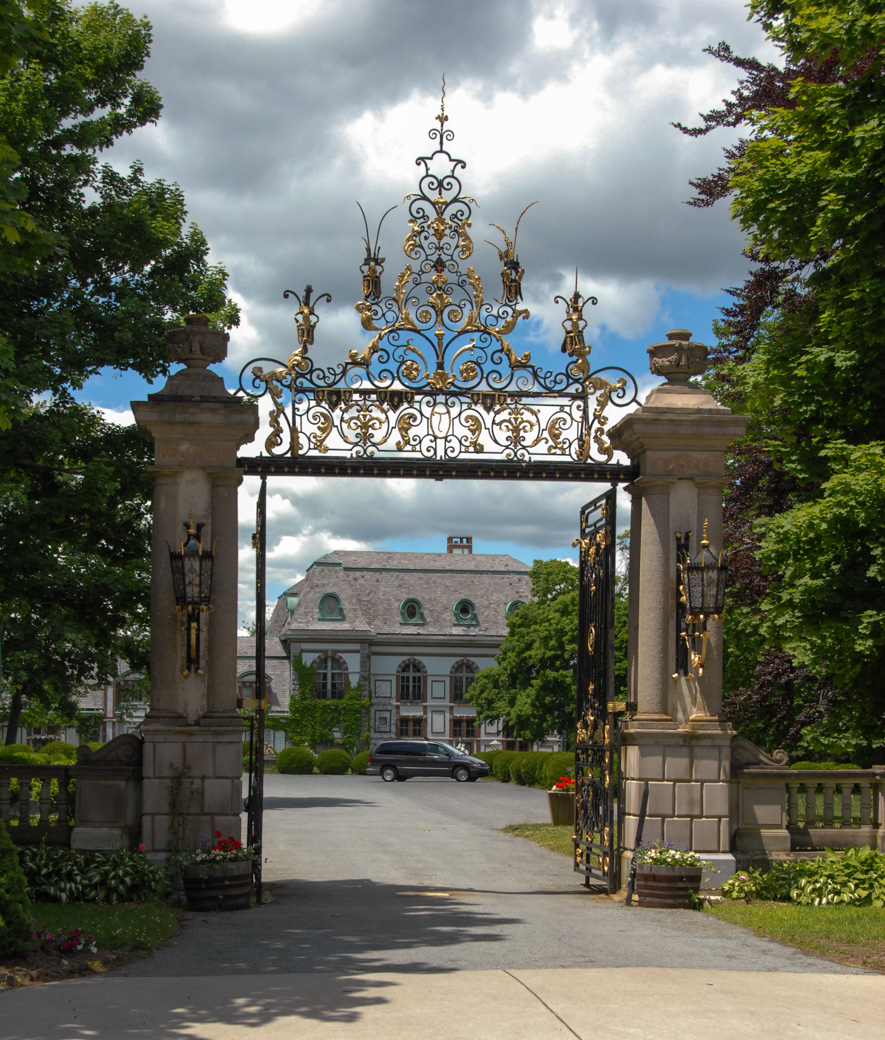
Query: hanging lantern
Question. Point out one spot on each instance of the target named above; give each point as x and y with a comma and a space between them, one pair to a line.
192, 584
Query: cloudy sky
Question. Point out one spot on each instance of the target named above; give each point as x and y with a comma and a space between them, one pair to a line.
280, 114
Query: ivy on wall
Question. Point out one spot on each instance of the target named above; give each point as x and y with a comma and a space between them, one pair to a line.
312, 719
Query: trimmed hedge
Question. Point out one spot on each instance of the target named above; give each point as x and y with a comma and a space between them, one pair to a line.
15, 908
557, 764
13, 753
501, 766
525, 767
59, 753
488, 756
359, 763
333, 762
824, 765
299, 760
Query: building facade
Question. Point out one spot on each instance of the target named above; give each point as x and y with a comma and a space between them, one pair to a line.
413, 629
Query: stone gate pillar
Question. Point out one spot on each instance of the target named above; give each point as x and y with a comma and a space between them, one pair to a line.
676, 741
192, 772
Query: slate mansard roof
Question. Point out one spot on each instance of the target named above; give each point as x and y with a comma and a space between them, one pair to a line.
372, 586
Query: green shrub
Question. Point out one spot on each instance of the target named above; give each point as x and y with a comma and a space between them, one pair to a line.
333, 762
58, 753
525, 765
824, 765
488, 756
501, 766
359, 763
299, 760
557, 764
855, 877
15, 908
12, 754
57, 875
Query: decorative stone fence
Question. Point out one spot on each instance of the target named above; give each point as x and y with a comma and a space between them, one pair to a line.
106, 798
27, 807
776, 811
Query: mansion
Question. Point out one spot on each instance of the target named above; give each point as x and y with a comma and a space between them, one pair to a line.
412, 628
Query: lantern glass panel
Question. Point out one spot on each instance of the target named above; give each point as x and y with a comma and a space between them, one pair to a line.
192, 565
178, 578
206, 578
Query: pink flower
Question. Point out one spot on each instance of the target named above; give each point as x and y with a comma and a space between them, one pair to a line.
142, 847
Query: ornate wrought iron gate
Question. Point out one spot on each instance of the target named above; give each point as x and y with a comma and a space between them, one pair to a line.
597, 744
439, 392
255, 803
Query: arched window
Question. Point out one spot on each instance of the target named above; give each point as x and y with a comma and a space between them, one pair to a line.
411, 612
246, 687
463, 675
464, 612
329, 608
513, 606
330, 678
411, 680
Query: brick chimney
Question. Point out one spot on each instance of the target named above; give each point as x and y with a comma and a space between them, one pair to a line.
460, 543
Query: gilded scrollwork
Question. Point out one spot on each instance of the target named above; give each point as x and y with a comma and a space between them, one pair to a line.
438, 337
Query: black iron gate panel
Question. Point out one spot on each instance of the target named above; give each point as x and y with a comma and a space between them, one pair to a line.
255, 801
596, 744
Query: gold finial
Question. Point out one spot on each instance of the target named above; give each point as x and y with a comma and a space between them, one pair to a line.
442, 117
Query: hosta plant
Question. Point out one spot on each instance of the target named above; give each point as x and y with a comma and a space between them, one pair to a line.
855, 877
59, 875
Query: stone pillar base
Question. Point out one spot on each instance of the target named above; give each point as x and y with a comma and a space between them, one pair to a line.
193, 784
688, 771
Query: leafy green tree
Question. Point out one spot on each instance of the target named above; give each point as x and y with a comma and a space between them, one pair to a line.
801, 351
532, 686
74, 530
95, 263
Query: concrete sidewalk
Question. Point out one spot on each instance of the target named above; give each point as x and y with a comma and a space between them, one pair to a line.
615, 1003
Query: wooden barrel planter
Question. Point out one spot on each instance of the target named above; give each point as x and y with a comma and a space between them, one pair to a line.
668, 887
562, 807
218, 886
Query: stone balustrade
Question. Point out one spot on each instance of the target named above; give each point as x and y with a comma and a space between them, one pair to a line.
28, 807
38, 802
777, 811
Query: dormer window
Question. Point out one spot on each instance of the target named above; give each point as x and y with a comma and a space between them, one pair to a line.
464, 612
411, 612
513, 606
329, 608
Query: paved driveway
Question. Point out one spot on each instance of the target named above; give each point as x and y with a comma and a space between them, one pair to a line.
364, 876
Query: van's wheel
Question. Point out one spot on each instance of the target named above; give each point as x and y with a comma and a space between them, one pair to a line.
388, 773
461, 774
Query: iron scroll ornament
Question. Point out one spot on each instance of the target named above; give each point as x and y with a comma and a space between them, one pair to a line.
439, 378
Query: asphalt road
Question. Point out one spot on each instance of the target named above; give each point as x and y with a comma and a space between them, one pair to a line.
363, 876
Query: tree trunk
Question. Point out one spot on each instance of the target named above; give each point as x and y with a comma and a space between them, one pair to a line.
16, 705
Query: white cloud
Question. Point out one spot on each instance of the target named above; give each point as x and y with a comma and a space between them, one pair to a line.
279, 115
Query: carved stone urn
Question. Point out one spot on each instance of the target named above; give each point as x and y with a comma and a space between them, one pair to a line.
678, 358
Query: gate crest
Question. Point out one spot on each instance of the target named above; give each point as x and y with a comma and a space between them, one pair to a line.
439, 380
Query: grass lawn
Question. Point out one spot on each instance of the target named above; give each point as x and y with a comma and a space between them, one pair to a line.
135, 927
847, 934
557, 839
120, 932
